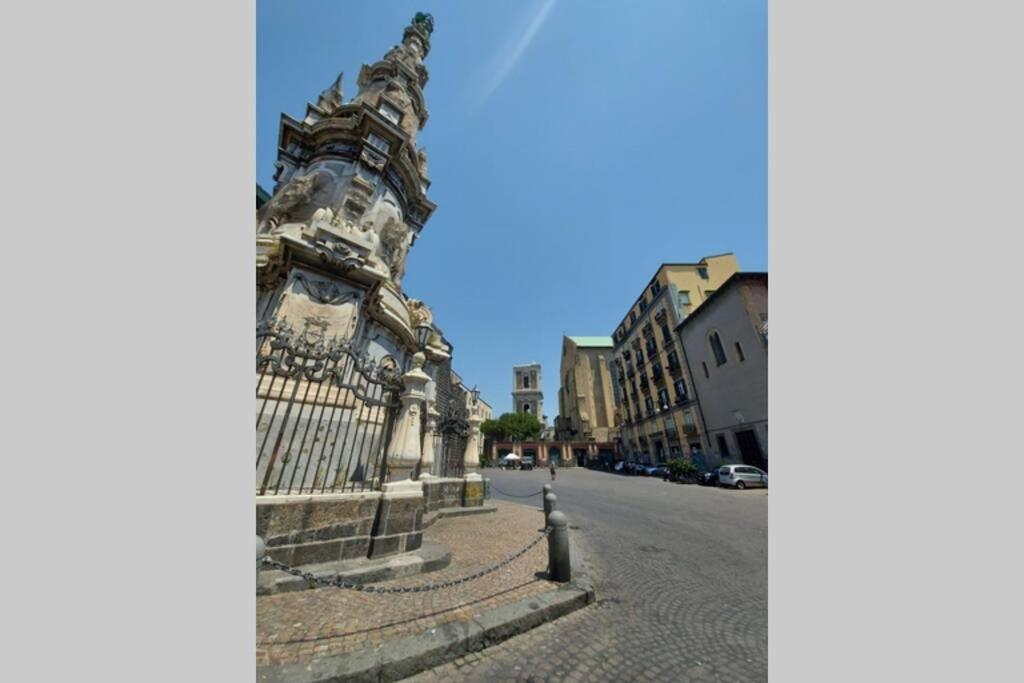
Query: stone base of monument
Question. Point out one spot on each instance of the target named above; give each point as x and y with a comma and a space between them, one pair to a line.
314, 529
429, 557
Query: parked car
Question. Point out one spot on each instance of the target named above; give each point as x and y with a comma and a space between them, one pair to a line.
742, 476
620, 466
661, 471
658, 470
709, 478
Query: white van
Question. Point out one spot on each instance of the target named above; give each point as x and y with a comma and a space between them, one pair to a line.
741, 476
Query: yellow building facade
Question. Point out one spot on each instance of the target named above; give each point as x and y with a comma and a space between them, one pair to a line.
657, 413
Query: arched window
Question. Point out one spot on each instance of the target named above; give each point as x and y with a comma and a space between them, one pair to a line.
526, 381
716, 348
526, 407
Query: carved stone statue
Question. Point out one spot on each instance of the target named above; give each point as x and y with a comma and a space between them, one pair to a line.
421, 156
296, 194
394, 239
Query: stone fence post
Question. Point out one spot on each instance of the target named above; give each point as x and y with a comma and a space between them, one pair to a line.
405, 450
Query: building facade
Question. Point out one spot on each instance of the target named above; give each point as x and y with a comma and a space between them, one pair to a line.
586, 398
726, 346
527, 396
658, 413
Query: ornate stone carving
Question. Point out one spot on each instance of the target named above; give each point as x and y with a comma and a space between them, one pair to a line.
296, 194
270, 262
339, 255
333, 97
373, 160
324, 291
419, 313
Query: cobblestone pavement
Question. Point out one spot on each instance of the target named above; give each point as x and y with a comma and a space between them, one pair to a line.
681, 574
329, 621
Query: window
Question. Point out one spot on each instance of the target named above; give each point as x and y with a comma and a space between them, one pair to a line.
703, 272
684, 298
705, 366
723, 446
663, 398
655, 288
378, 142
639, 358
526, 382
650, 405
673, 360
526, 407
632, 316
688, 425
665, 333
391, 113
716, 348
643, 304
625, 355
739, 352
680, 387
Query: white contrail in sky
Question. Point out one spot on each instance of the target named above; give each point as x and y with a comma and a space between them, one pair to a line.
505, 61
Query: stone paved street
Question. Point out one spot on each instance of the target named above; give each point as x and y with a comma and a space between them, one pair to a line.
681, 574
330, 621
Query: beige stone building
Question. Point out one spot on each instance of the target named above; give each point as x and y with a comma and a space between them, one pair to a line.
586, 398
726, 346
527, 396
659, 416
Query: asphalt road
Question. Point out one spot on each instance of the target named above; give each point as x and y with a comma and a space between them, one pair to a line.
681, 574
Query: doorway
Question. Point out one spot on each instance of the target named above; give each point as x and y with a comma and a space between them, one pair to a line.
750, 449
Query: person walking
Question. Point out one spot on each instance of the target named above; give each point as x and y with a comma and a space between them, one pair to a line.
552, 467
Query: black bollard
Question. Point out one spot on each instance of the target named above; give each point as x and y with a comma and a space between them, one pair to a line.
559, 564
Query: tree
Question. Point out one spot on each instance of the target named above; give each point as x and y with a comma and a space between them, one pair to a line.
513, 427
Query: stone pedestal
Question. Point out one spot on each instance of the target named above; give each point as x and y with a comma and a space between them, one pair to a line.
471, 456
405, 450
473, 491
427, 459
399, 524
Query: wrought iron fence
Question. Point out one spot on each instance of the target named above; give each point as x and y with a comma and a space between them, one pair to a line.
324, 412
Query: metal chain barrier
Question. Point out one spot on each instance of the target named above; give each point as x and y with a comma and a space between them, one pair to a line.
512, 495
337, 582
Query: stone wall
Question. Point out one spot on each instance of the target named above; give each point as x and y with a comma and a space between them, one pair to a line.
443, 493
323, 528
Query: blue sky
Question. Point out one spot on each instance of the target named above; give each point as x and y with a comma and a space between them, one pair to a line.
574, 146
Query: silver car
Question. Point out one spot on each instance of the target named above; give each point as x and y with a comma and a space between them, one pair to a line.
742, 476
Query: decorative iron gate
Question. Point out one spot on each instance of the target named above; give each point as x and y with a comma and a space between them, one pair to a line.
324, 412
452, 426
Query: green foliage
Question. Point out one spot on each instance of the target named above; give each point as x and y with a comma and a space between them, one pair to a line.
682, 468
513, 427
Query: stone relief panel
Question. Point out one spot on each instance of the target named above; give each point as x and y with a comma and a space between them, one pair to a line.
308, 296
